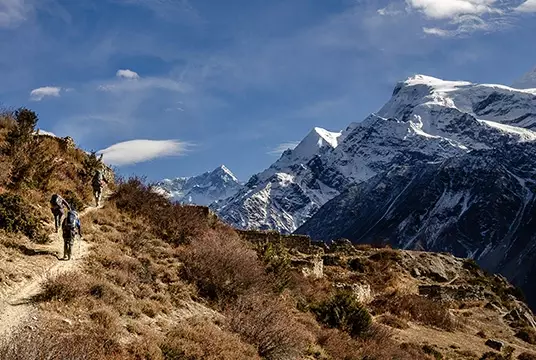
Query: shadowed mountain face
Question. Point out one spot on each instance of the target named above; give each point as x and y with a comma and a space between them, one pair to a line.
479, 205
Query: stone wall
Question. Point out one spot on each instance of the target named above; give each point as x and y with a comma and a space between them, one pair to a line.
299, 242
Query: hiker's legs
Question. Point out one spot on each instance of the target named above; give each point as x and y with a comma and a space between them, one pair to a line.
97, 195
67, 248
57, 220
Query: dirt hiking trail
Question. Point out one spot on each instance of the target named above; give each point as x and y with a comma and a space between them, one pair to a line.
16, 308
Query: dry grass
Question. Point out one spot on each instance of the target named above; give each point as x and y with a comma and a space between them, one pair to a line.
176, 224
393, 321
58, 340
222, 266
267, 322
204, 341
416, 308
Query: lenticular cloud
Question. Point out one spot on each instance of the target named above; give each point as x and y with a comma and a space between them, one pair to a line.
137, 151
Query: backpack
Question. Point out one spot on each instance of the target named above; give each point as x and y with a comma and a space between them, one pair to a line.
56, 201
70, 225
98, 178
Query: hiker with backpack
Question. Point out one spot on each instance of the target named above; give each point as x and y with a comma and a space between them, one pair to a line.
71, 227
57, 204
97, 183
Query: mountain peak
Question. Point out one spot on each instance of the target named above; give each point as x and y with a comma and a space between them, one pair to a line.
318, 138
223, 170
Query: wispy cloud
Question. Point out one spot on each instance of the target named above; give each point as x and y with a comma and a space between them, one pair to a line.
128, 80
144, 84
281, 148
528, 6
454, 18
13, 12
447, 9
42, 92
137, 151
127, 74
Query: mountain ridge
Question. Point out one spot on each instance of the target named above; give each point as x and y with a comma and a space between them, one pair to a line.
427, 119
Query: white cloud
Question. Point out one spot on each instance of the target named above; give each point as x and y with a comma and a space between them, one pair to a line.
281, 148
136, 151
39, 93
127, 74
13, 12
445, 9
528, 6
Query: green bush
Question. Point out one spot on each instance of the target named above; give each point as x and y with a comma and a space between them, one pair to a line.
22, 133
16, 216
344, 312
276, 258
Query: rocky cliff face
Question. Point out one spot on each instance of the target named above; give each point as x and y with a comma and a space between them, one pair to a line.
480, 205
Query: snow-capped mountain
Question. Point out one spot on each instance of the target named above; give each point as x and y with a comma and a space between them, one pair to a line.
480, 205
426, 120
527, 81
203, 189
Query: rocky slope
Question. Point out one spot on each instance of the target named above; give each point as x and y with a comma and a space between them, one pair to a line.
480, 205
426, 120
203, 189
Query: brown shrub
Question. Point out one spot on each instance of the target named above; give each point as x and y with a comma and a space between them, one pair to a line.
68, 287
223, 267
393, 321
378, 346
59, 341
416, 308
173, 223
339, 345
267, 323
527, 356
204, 341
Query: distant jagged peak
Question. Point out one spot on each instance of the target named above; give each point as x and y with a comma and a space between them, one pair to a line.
317, 139
223, 171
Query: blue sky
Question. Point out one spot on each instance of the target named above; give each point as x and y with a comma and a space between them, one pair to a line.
231, 82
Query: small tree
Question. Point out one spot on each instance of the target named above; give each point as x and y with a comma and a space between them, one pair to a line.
91, 164
21, 134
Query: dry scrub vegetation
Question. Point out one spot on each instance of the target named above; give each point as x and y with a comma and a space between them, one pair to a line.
191, 288
164, 281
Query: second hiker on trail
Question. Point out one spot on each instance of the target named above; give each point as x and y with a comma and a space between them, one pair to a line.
71, 228
57, 204
97, 183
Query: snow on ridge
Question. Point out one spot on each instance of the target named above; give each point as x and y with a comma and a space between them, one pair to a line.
436, 83
328, 136
524, 134
226, 170
46, 133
